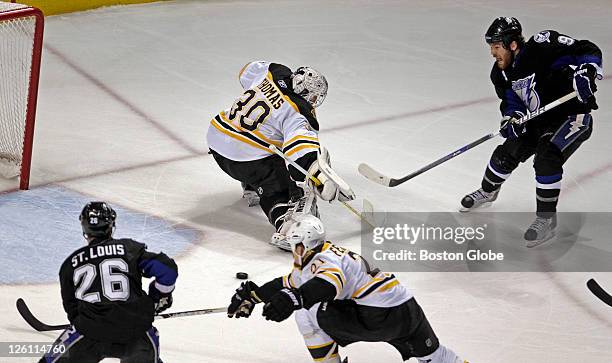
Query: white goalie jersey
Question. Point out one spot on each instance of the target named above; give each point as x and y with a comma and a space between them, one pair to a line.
267, 112
350, 274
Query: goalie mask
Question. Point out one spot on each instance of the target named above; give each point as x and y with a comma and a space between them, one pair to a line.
304, 235
310, 84
97, 220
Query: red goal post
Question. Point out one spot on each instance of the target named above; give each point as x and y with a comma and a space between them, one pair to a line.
21, 38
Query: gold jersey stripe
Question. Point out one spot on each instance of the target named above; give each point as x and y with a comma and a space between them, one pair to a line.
332, 269
239, 137
303, 137
388, 285
372, 282
320, 345
376, 287
301, 147
288, 281
242, 70
254, 132
295, 107
325, 358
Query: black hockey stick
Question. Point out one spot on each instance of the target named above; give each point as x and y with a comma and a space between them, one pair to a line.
38, 325
598, 291
368, 172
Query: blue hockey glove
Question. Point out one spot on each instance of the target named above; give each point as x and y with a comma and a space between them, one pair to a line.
283, 304
584, 84
510, 128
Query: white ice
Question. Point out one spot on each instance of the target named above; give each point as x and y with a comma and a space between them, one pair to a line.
126, 94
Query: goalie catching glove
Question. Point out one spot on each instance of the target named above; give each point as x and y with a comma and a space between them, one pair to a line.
331, 186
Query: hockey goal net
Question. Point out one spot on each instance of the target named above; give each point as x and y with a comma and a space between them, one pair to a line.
21, 32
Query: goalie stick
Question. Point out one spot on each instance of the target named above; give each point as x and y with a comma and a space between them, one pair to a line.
367, 216
598, 291
373, 175
38, 325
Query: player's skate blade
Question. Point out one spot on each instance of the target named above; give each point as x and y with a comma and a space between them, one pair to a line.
540, 231
477, 200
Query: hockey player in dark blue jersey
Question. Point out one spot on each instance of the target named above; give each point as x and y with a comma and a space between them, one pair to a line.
101, 285
526, 76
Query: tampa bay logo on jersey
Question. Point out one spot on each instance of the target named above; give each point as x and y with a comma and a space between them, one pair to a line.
542, 37
525, 89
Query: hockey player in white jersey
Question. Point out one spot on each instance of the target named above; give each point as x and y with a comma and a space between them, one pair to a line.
338, 300
276, 108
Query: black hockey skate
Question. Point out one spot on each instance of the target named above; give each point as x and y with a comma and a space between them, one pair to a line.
478, 199
540, 231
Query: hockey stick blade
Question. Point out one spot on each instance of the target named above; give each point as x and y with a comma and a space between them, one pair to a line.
598, 291
27, 315
370, 215
368, 172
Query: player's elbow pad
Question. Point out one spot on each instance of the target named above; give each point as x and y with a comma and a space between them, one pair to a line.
315, 291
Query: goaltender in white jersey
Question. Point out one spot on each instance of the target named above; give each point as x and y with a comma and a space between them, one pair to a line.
271, 116
276, 107
338, 300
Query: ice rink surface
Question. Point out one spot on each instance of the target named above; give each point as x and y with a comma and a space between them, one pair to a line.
126, 95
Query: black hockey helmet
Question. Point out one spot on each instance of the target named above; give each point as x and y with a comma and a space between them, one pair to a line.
505, 30
97, 220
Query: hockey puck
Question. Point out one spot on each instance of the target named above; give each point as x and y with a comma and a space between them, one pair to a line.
242, 275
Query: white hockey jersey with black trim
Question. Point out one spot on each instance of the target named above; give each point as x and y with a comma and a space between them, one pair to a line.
350, 274
267, 112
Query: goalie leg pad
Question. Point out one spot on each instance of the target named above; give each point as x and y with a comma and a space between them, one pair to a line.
307, 204
283, 215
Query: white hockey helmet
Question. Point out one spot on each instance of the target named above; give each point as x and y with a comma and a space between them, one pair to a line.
307, 230
310, 84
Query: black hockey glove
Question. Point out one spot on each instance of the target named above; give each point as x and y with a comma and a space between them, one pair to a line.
283, 304
161, 300
243, 301
584, 84
510, 128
